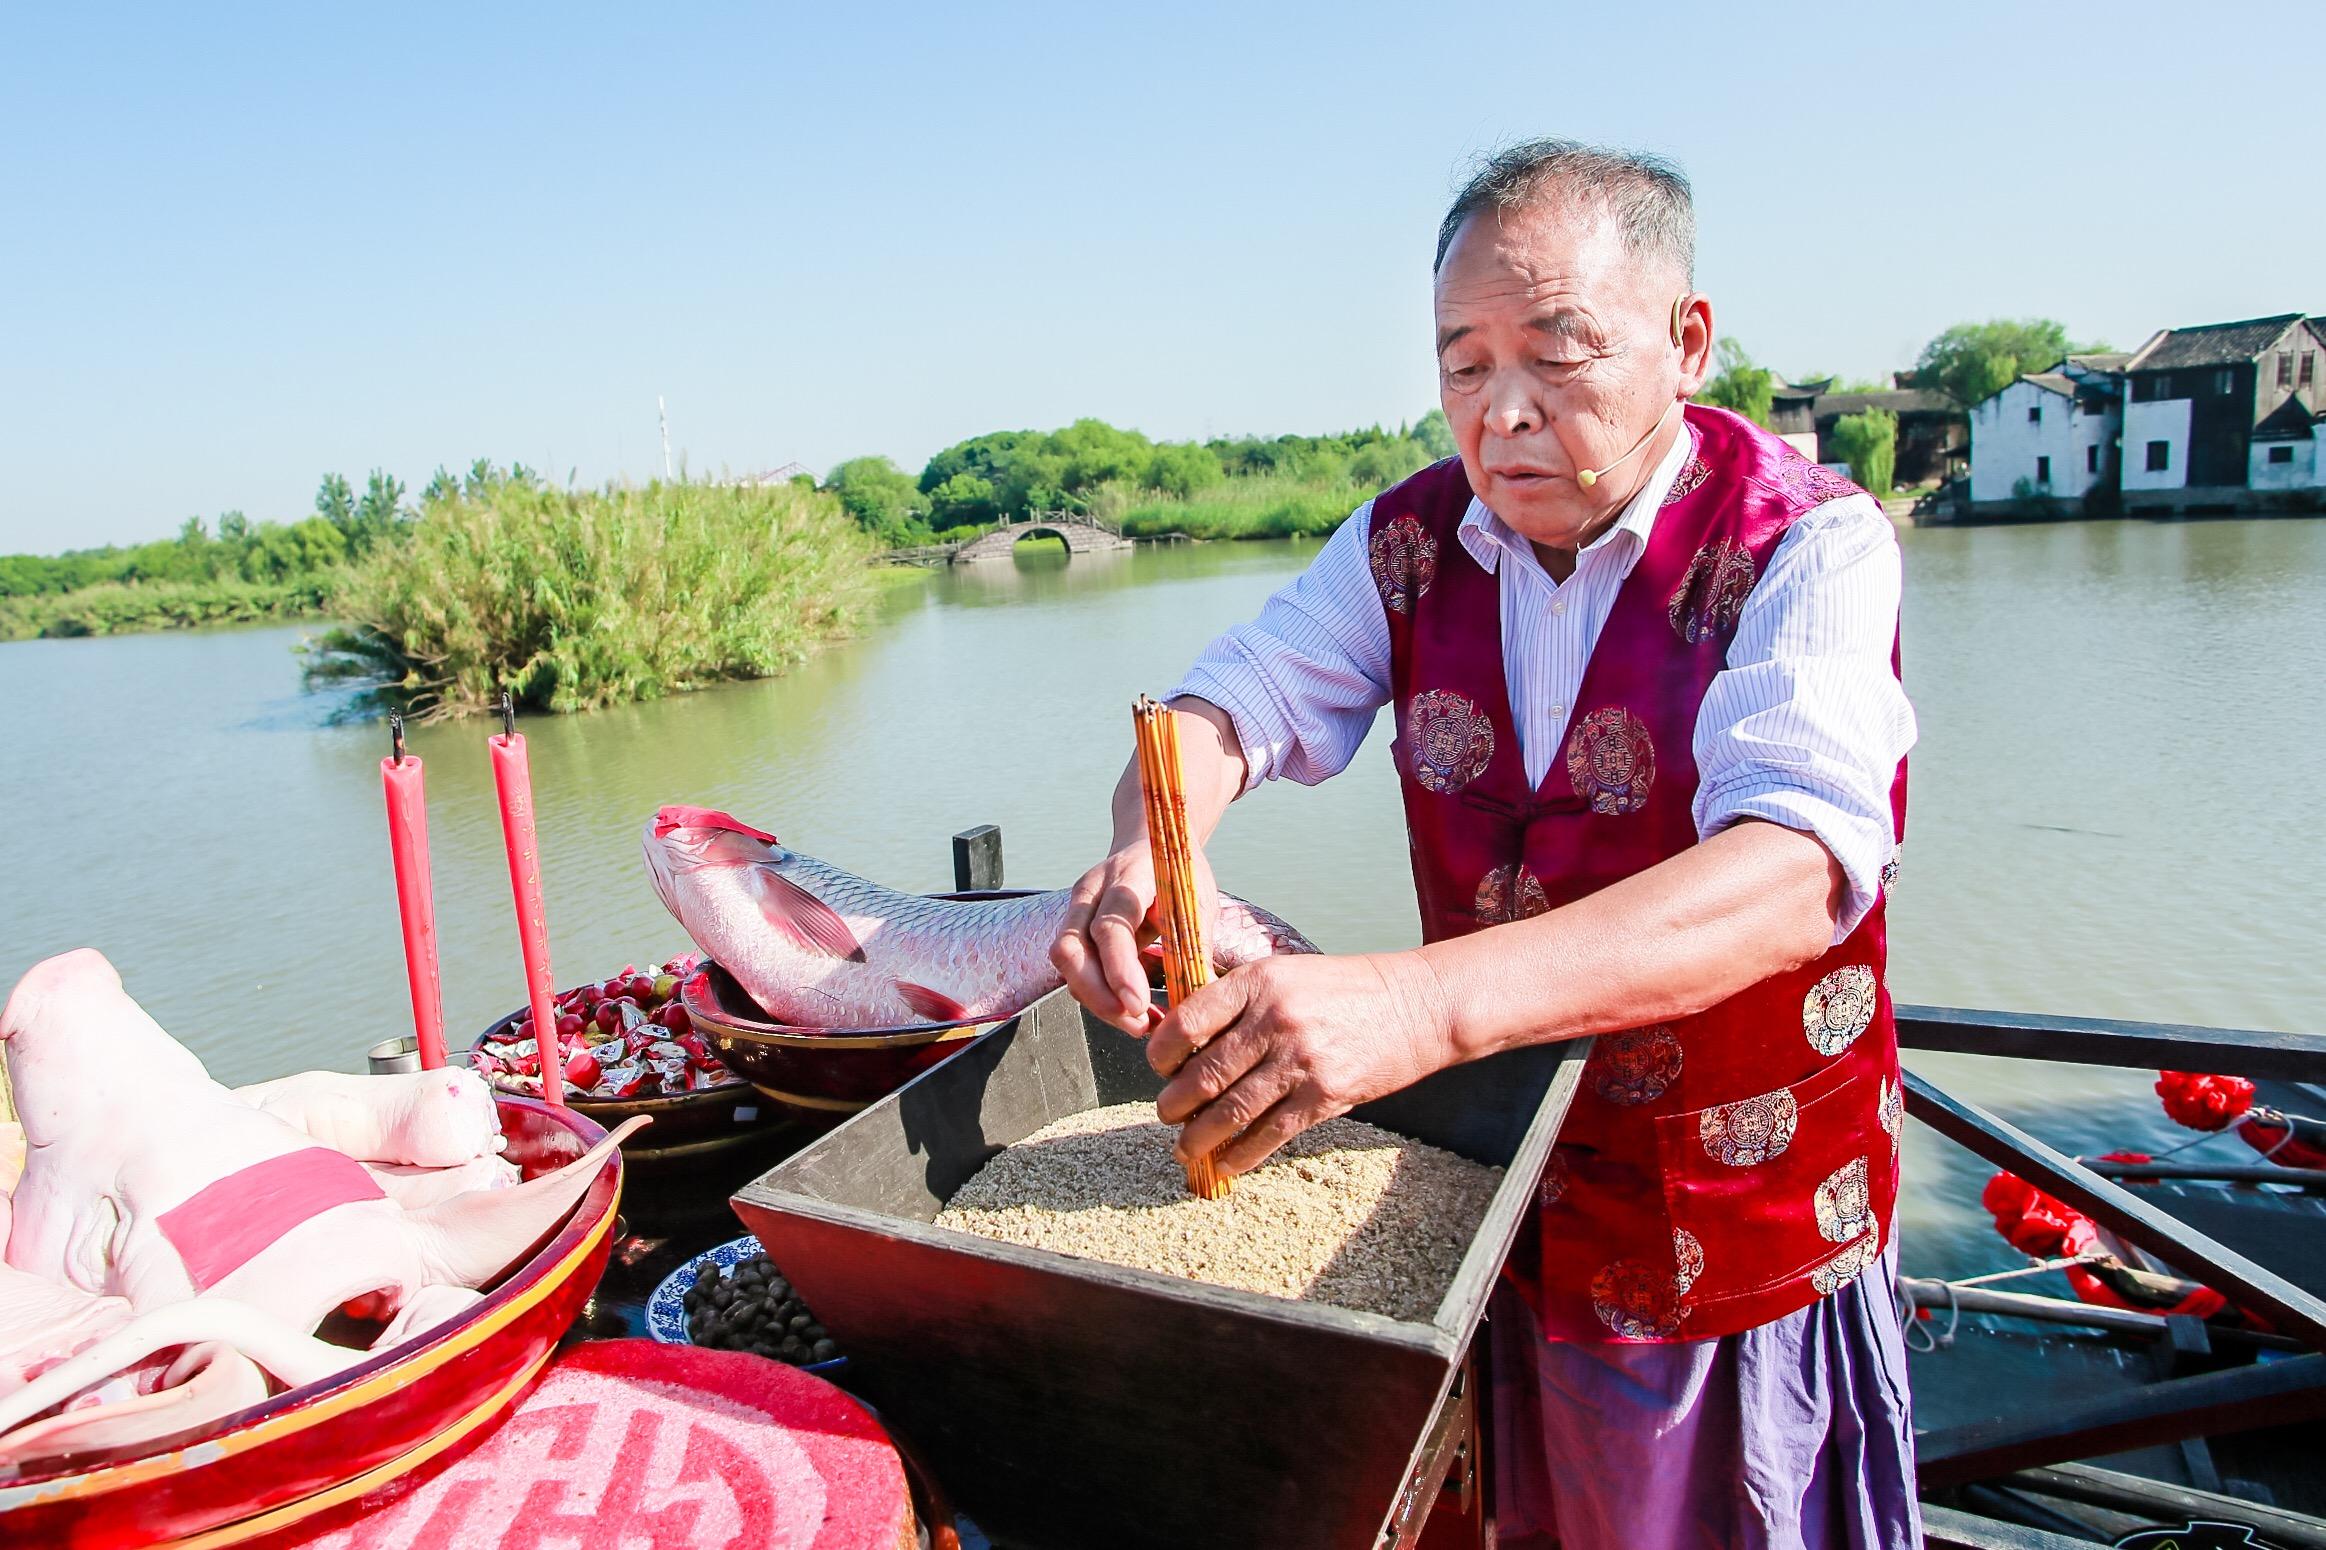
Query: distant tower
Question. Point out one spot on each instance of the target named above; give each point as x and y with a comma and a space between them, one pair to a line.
662, 412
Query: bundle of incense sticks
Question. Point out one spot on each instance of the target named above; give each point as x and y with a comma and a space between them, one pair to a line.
1186, 961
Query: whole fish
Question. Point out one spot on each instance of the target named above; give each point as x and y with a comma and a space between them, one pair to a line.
817, 947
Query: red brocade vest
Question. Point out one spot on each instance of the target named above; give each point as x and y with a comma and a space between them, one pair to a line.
1717, 1171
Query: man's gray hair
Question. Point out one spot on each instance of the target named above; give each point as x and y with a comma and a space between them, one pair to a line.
1646, 196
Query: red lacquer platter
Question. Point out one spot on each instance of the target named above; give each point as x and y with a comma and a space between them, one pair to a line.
312, 1448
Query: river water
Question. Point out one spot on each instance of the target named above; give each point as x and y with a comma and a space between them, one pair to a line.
2113, 807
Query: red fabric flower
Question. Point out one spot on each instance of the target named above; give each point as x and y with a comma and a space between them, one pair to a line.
2031, 1220
2203, 1102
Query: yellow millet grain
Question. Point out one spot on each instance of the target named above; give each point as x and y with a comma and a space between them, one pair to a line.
1347, 1213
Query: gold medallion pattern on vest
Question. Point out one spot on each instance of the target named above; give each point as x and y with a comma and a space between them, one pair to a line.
1450, 738
1554, 1183
1838, 1008
1751, 1130
1611, 761
1844, 1205
1510, 892
1637, 1301
1712, 594
1635, 1067
1692, 474
1843, 1268
1687, 1260
1405, 562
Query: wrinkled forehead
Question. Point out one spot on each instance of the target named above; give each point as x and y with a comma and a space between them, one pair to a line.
1560, 267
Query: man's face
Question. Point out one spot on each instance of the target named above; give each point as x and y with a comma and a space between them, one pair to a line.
1555, 354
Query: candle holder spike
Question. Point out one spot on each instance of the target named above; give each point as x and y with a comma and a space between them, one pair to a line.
508, 715
396, 734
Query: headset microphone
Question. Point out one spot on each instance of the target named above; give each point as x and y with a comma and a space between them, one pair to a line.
1587, 477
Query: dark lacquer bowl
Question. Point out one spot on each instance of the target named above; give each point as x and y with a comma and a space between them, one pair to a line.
312, 1448
685, 1124
816, 1070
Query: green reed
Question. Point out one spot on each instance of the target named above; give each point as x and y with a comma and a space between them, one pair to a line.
1263, 507
576, 599
126, 607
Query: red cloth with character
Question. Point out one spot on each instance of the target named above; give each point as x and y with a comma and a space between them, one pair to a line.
1717, 1171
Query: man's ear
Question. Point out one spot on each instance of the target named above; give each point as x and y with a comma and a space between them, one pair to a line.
1692, 333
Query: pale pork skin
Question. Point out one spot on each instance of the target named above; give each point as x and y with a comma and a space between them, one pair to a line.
817, 947
121, 1126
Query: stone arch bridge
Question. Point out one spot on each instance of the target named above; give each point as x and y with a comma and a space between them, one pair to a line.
1081, 535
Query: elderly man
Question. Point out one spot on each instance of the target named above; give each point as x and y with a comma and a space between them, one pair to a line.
1642, 658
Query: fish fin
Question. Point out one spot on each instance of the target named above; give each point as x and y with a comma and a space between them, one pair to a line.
935, 1005
807, 921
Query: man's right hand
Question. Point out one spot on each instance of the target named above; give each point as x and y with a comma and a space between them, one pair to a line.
1110, 918
1112, 913
1108, 912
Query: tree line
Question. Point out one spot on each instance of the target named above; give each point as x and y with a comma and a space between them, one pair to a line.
1965, 365
345, 526
1091, 466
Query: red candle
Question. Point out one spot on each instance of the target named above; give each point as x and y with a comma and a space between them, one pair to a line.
415, 900
513, 779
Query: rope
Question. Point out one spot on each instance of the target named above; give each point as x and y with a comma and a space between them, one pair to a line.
2197, 1140
2034, 1267
1954, 1311
2279, 1117
1914, 1326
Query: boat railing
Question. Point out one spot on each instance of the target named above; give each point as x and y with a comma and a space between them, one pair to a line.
2286, 1390
2040, 1442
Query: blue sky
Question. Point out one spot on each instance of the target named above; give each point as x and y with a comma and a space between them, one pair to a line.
246, 246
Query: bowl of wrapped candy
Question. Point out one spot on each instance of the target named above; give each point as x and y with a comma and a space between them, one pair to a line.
631, 1048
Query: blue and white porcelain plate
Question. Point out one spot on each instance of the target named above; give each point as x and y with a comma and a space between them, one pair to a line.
666, 1309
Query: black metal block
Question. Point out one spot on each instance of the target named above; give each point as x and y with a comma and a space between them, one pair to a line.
977, 858
1067, 1403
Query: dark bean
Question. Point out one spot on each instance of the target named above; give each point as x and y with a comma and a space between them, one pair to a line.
823, 1350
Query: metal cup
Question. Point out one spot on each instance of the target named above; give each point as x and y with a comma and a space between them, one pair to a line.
390, 1056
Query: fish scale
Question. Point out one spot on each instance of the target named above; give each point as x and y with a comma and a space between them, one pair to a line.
820, 947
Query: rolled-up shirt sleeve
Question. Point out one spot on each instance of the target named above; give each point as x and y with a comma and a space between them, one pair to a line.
1807, 723
1302, 681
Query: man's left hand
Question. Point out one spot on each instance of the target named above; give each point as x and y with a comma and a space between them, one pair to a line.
1289, 1042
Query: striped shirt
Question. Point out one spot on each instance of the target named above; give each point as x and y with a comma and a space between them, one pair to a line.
1804, 726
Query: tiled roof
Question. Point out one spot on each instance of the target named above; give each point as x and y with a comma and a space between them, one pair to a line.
2103, 360
2213, 344
2289, 421
1897, 401
2051, 382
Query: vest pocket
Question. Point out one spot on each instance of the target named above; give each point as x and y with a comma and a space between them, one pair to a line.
1778, 1187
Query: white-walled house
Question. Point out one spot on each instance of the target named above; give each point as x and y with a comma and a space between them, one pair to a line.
2196, 405
2216, 418
2050, 434
2286, 449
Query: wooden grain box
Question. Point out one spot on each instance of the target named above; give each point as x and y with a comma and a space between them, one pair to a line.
1069, 1404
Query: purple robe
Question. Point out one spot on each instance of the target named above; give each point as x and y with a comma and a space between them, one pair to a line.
1794, 1435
